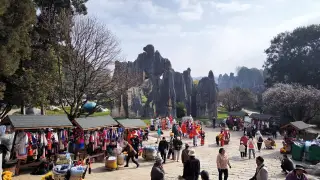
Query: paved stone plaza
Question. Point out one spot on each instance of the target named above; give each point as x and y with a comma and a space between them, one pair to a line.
242, 169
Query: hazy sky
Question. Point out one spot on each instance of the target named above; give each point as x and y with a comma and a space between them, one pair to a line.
204, 35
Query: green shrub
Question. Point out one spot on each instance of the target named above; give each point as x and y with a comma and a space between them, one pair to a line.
181, 110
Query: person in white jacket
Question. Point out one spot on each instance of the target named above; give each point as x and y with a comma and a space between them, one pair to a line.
242, 150
261, 170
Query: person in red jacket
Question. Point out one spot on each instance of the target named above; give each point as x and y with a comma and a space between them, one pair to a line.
222, 138
245, 139
202, 134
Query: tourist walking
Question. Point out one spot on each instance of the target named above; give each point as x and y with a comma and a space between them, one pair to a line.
185, 157
242, 150
177, 145
245, 139
259, 141
274, 133
223, 164
297, 174
131, 153
195, 135
214, 122
192, 167
157, 172
159, 133
252, 147
261, 170
163, 149
171, 149
135, 144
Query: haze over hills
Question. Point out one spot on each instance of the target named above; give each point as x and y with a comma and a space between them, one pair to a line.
199, 77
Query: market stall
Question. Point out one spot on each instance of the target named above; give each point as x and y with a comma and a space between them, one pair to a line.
37, 138
264, 122
296, 129
301, 137
134, 127
236, 119
93, 135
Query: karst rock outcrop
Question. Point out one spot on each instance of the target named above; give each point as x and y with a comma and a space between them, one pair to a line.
152, 88
206, 97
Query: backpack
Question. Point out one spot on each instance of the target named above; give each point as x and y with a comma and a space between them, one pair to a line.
260, 140
251, 145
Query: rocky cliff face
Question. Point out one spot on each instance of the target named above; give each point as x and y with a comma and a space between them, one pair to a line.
206, 97
249, 78
156, 82
154, 88
189, 87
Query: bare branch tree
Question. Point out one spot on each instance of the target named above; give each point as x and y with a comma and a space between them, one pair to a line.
85, 62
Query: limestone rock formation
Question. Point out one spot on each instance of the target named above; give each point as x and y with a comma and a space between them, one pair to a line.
135, 108
155, 77
206, 97
180, 88
249, 78
152, 88
189, 87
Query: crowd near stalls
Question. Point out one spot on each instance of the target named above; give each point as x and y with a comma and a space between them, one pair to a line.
235, 121
265, 123
66, 149
36, 139
93, 136
135, 133
301, 141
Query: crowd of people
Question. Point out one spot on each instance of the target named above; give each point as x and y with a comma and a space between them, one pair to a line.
250, 142
186, 129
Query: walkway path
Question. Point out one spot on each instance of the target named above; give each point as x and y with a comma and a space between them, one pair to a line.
241, 169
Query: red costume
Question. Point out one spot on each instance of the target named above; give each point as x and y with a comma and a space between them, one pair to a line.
164, 124
202, 138
222, 140
184, 128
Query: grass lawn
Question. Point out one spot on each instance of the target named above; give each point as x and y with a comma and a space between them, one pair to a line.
222, 113
61, 112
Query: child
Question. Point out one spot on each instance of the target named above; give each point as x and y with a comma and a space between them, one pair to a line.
217, 139
242, 149
202, 137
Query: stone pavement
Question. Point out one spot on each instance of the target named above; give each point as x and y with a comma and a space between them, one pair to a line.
242, 169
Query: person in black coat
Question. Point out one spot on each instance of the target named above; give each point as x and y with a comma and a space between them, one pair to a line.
131, 153
163, 149
287, 164
192, 167
135, 144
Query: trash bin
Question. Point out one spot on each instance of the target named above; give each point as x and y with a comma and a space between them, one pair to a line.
314, 154
297, 151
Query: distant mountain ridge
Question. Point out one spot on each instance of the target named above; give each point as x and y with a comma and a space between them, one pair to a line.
200, 77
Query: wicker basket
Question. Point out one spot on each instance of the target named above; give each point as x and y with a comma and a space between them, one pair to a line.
57, 176
76, 177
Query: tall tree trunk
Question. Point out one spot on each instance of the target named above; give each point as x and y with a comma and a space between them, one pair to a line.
43, 110
23, 108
